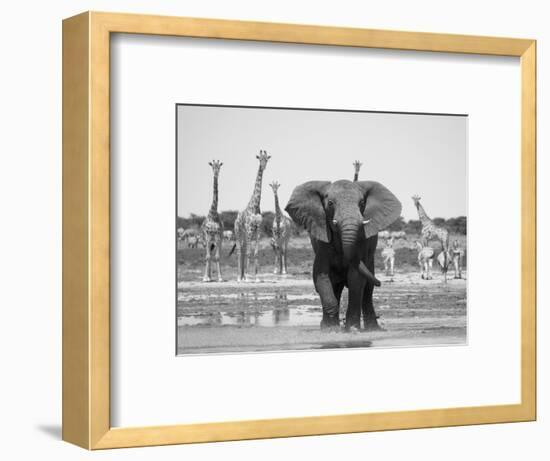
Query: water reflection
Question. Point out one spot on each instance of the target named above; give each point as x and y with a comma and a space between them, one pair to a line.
254, 310
346, 344
281, 316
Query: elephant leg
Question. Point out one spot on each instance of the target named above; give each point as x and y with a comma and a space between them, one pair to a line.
356, 286
370, 321
329, 301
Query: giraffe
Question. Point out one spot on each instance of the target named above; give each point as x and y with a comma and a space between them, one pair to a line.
388, 253
456, 254
432, 232
212, 229
357, 166
247, 226
282, 229
425, 260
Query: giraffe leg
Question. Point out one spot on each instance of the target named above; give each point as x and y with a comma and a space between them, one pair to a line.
256, 255
247, 260
276, 264
458, 270
217, 258
277, 257
239, 261
392, 261
445, 264
284, 251
206, 277
429, 269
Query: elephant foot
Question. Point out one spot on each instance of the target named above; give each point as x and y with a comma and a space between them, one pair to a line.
330, 323
220, 279
206, 279
352, 326
371, 324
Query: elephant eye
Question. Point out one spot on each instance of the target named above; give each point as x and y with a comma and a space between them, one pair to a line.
330, 203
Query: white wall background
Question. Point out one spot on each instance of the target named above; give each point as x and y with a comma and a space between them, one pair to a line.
30, 231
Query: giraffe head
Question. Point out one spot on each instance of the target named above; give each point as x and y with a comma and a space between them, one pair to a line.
416, 200
263, 158
275, 186
216, 166
357, 165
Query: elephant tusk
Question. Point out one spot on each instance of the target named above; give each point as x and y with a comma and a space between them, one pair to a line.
366, 221
334, 222
368, 274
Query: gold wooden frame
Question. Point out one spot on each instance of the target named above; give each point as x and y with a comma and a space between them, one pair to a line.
86, 393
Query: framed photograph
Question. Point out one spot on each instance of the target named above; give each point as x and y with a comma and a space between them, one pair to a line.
276, 230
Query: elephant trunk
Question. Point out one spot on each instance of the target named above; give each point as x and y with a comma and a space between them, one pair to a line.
368, 274
351, 231
349, 234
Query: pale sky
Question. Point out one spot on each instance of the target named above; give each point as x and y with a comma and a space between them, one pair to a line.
408, 153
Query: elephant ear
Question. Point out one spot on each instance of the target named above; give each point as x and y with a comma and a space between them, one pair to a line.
305, 207
381, 208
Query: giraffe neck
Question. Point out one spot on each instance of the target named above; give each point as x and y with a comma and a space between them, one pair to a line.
278, 213
356, 176
424, 218
214, 207
254, 204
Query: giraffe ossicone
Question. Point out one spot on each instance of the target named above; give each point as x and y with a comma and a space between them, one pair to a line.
357, 166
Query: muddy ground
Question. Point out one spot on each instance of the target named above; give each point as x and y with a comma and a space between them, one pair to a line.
284, 312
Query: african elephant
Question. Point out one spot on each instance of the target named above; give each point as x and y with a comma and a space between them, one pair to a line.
343, 219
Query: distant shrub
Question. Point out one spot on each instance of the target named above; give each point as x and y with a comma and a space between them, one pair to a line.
413, 226
267, 223
398, 225
228, 218
457, 225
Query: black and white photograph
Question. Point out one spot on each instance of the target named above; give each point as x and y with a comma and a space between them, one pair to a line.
306, 229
